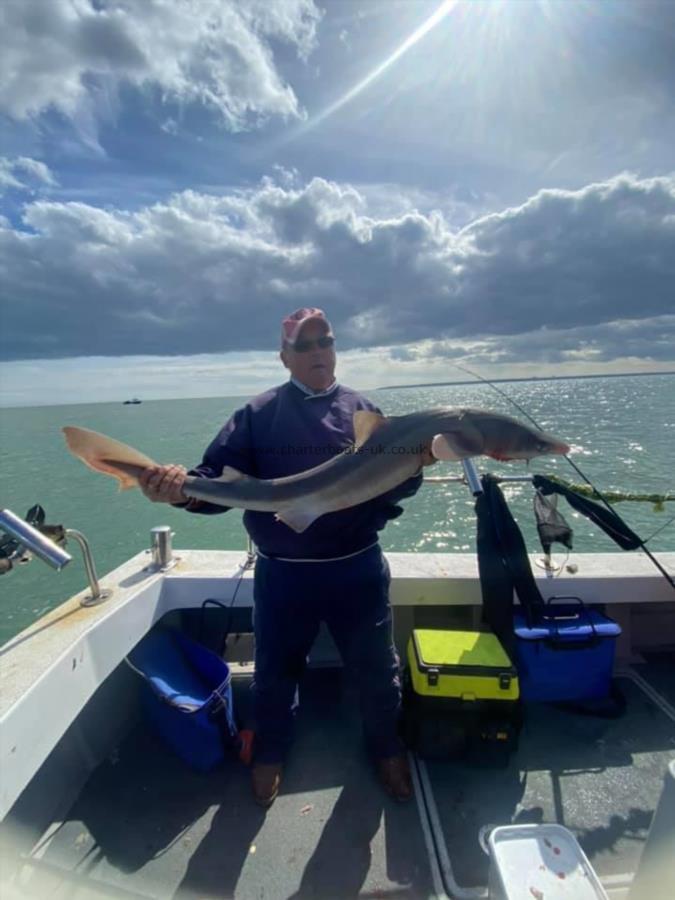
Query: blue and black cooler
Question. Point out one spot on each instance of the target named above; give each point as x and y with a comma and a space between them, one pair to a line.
566, 654
187, 696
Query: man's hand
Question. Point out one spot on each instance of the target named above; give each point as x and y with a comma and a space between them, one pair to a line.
164, 484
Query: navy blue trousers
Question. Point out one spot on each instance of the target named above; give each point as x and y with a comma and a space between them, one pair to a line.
352, 597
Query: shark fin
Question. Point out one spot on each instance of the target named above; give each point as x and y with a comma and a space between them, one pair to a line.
230, 474
466, 441
442, 449
297, 519
366, 423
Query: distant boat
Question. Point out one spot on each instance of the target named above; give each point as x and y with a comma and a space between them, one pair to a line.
135, 400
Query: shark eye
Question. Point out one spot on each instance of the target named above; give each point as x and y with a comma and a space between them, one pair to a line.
541, 447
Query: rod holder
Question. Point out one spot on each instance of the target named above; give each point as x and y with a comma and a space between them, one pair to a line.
33, 540
160, 546
98, 595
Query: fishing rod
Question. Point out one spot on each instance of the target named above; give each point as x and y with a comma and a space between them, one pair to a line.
660, 529
643, 545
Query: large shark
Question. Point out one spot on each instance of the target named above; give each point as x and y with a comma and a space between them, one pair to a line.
386, 452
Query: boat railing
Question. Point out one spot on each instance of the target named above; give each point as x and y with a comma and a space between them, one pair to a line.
471, 478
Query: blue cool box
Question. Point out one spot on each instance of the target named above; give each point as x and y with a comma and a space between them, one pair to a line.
187, 696
566, 655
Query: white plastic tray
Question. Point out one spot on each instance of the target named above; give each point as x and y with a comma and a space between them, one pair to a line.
540, 862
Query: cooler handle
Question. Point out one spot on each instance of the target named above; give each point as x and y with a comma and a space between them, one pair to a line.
556, 642
553, 615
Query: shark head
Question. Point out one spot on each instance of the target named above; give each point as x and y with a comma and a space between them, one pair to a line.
482, 433
527, 443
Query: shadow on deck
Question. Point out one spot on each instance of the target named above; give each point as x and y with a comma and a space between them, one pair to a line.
148, 825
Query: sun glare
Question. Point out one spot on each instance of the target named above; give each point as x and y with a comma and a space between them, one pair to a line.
443, 10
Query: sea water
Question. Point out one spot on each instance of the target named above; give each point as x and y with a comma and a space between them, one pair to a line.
621, 429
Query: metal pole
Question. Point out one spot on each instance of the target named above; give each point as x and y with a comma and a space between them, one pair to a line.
97, 595
250, 551
33, 540
472, 477
461, 479
512, 478
456, 479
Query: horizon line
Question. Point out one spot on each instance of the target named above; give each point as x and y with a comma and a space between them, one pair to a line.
385, 387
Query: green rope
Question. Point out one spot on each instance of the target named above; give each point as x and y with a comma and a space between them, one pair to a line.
657, 500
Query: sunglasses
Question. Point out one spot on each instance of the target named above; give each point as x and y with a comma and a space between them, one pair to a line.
323, 343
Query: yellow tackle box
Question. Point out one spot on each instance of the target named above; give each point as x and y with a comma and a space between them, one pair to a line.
464, 665
461, 693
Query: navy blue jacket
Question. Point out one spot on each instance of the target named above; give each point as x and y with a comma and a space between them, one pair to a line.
285, 431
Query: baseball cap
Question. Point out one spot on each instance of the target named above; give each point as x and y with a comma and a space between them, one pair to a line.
292, 324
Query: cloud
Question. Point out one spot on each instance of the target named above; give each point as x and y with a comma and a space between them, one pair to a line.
216, 53
566, 258
650, 339
14, 173
568, 275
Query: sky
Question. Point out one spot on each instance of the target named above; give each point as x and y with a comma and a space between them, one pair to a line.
489, 184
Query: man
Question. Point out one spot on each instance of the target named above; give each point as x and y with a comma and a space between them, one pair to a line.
333, 572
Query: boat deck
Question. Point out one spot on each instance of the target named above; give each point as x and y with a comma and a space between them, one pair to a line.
146, 826
599, 777
149, 826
